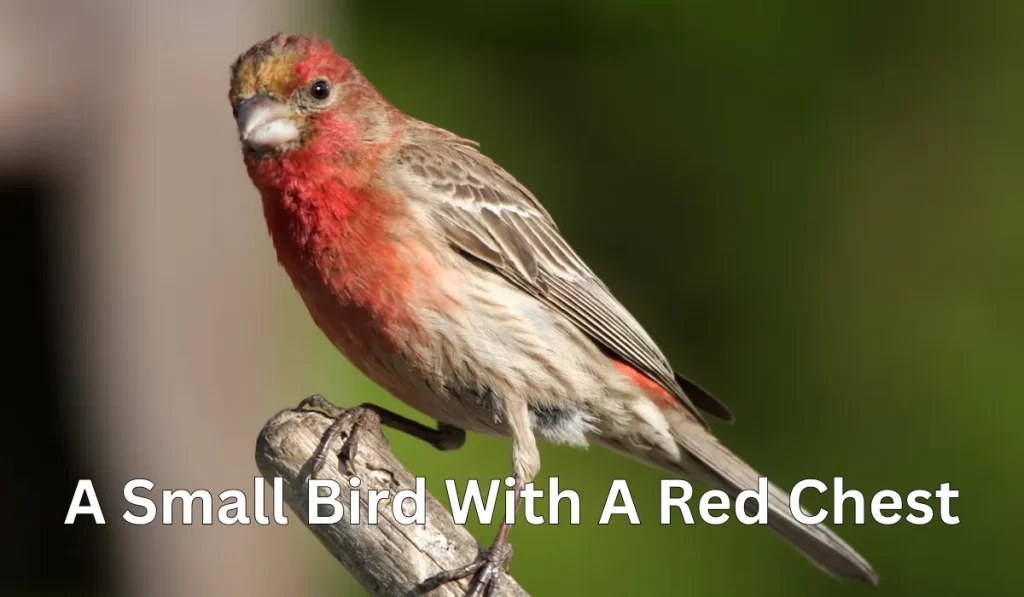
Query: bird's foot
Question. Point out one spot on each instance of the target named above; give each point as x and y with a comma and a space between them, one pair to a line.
318, 402
356, 420
485, 571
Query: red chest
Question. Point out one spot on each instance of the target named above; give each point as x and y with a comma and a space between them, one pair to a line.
348, 270
358, 279
360, 262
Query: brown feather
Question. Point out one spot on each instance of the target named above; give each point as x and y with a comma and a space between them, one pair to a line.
488, 215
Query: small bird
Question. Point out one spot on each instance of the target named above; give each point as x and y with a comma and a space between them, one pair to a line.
443, 279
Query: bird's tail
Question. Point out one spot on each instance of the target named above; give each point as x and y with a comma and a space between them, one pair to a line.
705, 459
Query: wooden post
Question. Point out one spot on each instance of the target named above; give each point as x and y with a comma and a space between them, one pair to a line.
388, 559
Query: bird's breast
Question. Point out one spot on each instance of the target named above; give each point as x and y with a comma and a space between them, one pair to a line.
367, 275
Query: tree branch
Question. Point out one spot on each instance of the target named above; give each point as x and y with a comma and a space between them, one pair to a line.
388, 559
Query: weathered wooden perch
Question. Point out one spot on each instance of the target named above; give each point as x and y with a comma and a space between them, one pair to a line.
389, 559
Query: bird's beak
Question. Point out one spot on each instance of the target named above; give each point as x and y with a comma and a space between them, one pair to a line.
265, 123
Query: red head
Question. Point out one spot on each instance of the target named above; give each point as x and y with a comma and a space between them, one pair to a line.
294, 92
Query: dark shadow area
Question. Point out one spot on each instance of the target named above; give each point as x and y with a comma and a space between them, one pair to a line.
37, 550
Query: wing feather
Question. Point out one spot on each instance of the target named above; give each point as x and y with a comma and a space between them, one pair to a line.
488, 215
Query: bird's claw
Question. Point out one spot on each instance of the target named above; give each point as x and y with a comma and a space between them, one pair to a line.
360, 418
488, 576
484, 569
318, 402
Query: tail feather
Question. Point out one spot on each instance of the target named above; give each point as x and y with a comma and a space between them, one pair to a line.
725, 470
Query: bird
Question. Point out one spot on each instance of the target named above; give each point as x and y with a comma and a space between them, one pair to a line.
443, 279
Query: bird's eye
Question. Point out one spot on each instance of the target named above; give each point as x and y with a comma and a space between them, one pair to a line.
320, 89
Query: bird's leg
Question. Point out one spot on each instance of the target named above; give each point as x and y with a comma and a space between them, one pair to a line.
445, 437
525, 465
485, 567
495, 557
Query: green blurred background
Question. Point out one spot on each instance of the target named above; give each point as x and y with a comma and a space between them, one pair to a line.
814, 207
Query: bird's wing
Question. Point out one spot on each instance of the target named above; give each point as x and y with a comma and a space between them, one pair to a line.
488, 215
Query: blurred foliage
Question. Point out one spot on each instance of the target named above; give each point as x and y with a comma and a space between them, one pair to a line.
814, 207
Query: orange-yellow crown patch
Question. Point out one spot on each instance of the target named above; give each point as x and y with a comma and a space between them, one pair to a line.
276, 66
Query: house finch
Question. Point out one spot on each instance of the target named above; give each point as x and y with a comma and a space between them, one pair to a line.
443, 279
